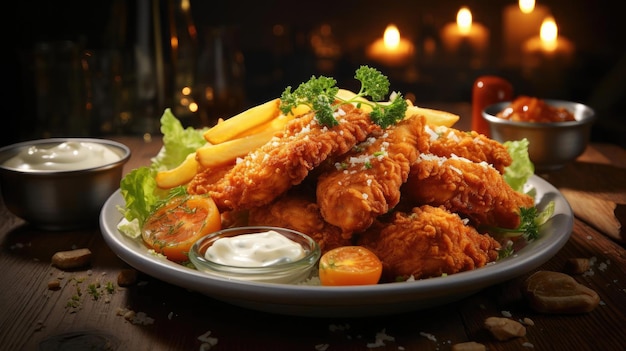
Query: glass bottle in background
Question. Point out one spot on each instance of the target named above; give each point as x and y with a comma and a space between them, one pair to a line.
60, 90
220, 85
149, 69
488, 90
184, 54
111, 74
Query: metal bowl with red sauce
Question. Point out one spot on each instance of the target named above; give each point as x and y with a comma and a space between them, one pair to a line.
551, 145
532, 109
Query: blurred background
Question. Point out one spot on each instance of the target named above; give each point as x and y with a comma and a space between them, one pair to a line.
99, 68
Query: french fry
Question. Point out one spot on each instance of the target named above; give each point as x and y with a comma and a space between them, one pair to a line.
213, 155
278, 122
230, 128
299, 110
179, 175
433, 117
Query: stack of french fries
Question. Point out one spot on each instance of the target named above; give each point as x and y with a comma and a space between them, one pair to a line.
239, 135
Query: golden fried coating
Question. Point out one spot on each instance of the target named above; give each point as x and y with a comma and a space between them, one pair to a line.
298, 212
427, 242
285, 161
366, 183
445, 142
475, 190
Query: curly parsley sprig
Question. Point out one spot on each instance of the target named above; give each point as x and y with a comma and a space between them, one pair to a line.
320, 94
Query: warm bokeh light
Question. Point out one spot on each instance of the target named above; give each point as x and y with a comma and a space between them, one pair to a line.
548, 45
193, 107
464, 20
463, 37
549, 34
209, 94
185, 5
391, 49
527, 6
391, 37
278, 30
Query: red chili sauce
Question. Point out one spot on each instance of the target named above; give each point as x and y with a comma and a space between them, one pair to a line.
529, 109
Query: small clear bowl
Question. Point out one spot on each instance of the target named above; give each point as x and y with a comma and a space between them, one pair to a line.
286, 272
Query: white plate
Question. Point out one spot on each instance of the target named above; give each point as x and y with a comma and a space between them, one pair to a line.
348, 301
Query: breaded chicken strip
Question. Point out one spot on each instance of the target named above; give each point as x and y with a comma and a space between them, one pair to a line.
298, 212
285, 161
427, 242
475, 190
366, 183
444, 141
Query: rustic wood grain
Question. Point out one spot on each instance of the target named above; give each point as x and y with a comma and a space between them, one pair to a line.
595, 187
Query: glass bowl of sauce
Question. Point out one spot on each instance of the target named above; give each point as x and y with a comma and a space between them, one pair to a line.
257, 253
61, 183
557, 130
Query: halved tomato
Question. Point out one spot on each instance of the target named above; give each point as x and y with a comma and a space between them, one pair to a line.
350, 265
172, 228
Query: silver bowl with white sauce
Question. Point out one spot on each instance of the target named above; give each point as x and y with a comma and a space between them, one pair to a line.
61, 183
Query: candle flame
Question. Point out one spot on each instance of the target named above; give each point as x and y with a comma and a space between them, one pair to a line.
391, 37
527, 6
184, 5
549, 34
464, 20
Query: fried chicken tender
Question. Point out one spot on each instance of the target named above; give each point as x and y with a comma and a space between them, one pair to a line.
475, 190
266, 173
299, 212
445, 141
366, 183
427, 242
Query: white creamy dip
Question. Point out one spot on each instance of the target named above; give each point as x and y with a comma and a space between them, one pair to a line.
67, 156
254, 250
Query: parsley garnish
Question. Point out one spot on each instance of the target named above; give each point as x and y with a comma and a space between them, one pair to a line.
530, 221
320, 94
506, 250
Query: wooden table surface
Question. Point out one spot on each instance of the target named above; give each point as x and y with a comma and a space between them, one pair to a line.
33, 317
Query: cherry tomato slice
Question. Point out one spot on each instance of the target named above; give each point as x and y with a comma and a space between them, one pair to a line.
172, 228
350, 265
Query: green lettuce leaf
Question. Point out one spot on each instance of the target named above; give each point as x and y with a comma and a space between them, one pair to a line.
139, 188
522, 168
178, 142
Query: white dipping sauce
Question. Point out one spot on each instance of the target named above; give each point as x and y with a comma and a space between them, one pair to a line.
254, 250
67, 156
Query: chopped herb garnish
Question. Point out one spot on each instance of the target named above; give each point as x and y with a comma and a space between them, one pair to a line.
95, 290
92, 289
110, 288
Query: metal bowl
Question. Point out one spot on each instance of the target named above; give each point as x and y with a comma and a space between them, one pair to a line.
60, 199
552, 145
